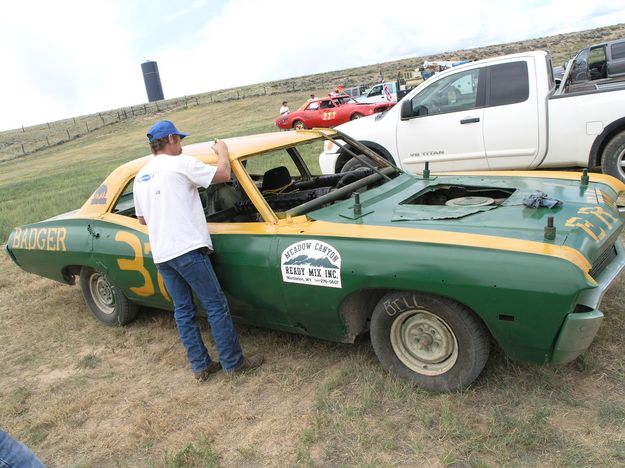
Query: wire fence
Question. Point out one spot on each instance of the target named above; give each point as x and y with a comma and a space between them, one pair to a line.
25, 141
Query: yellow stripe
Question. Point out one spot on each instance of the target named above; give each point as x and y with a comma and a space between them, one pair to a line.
431, 236
301, 226
613, 182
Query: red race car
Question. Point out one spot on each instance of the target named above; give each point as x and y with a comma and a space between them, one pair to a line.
328, 112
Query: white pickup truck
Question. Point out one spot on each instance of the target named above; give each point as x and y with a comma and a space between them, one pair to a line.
499, 113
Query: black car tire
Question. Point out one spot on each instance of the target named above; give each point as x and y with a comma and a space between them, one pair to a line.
105, 300
298, 125
355, 116
355, 163
613, 160
431, 341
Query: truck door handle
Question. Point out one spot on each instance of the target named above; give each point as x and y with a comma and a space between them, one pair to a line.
470, 120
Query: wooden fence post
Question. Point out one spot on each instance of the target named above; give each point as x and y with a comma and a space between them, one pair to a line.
101, 118
23, 150
47, 141
87, 125
74, 118
67, 130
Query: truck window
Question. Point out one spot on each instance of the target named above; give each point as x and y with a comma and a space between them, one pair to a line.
454, 93
597, 63
618, 50
509, 84
375, 91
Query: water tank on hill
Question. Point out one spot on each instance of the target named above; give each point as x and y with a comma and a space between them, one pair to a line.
152, 81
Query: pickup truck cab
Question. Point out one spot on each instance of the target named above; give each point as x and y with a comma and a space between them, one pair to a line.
596, 67
499, 113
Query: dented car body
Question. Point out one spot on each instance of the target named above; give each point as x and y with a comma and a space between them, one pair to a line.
433, 266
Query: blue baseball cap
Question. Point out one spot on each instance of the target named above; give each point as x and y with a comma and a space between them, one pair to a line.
163, 129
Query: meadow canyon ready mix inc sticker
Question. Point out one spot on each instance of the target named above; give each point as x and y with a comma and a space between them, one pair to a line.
311, 262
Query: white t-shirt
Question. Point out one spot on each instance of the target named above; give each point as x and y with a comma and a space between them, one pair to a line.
165, 194
284, 110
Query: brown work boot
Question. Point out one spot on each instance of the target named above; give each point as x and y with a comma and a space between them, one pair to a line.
247, 364
203, 376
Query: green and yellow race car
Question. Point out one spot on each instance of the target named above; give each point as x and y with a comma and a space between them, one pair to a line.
435, 267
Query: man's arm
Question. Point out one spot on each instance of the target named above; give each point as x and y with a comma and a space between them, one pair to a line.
223, 163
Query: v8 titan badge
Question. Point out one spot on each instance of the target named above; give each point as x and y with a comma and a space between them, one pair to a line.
311, 262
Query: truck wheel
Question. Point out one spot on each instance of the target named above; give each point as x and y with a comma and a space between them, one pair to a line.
105, 300
298, 125
355, 116
354, 163
613, 160
430, 341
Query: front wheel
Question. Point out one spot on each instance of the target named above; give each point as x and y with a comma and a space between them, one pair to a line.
299, 125
430, 341
355, 163
355, 116
613, 160
105, 300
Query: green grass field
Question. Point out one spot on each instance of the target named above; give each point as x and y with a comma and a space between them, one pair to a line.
82, 394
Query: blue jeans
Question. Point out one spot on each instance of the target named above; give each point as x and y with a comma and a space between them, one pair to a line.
14, 454
189, 272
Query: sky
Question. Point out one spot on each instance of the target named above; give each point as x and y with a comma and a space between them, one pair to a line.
67, 58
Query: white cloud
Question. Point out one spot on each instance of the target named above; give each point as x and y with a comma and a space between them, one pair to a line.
73, 57
65, 58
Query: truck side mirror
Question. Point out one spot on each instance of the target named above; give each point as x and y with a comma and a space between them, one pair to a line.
406, 109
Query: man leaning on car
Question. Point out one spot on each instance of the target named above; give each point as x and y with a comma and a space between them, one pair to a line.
167, 200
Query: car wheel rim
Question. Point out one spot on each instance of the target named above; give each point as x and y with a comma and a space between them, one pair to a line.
102, 293
424, 342
621, 163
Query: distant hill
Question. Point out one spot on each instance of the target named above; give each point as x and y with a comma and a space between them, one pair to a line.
561, 47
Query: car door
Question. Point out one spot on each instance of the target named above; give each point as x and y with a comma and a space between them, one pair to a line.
511, 116
374, 95
445, 125
245, 243
329, 113
311, 115
121, 250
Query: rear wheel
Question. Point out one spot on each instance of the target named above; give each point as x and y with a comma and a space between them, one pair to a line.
613, 160
298, 125
430, 341
105, 300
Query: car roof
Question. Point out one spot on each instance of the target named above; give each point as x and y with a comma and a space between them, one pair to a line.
238, 147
